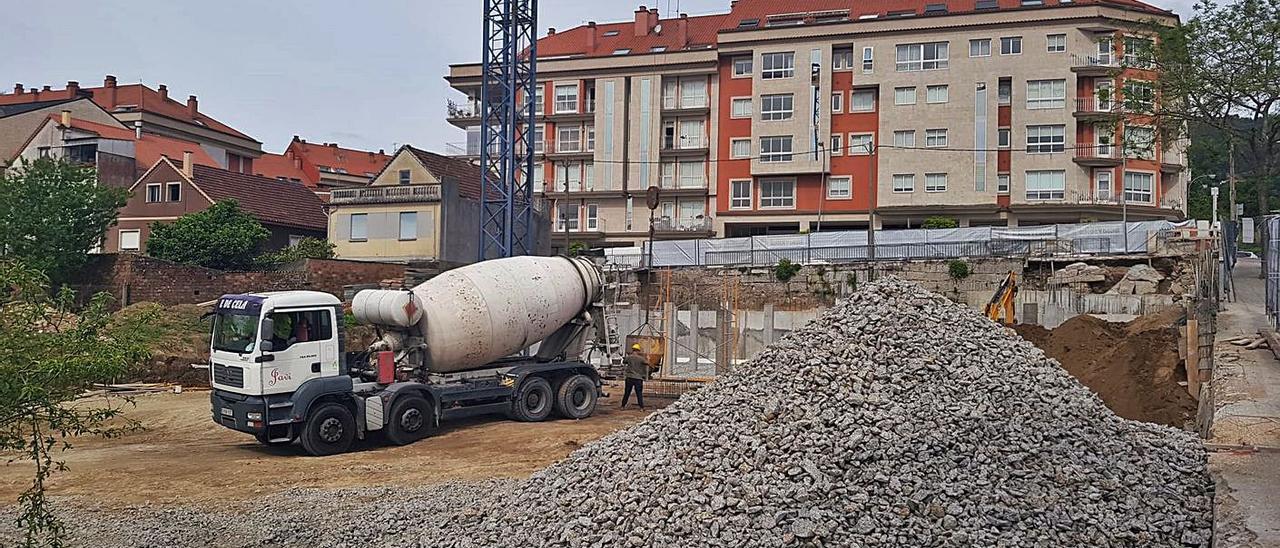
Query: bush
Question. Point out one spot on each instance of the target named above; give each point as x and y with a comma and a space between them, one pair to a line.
223, 237
785, 270
958, 269
940, 222
308, 248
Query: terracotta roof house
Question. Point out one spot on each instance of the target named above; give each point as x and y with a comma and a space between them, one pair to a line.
19, 122
323, 166
171, 189
157, 113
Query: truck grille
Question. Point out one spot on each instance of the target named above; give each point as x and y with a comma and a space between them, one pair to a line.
228, 375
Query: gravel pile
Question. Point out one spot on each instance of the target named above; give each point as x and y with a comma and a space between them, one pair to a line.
898, 418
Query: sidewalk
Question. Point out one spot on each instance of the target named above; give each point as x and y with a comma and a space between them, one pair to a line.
1246, 424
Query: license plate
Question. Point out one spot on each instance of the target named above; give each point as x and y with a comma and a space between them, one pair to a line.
227, 412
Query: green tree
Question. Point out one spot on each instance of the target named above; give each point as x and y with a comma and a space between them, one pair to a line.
308, 248
222, 237
785, 270
49, 354
940, 222
52, 213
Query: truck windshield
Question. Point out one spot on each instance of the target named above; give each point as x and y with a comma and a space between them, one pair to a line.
234, 332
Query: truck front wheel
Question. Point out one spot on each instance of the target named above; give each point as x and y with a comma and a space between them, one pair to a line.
411, 420
576, 398
534, 400
329, 430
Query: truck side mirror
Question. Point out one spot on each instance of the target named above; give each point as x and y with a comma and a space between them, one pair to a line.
268, 329
265, 346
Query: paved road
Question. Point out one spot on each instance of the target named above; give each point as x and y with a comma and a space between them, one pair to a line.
1247, 387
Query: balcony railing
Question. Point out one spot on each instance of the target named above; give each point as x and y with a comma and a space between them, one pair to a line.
461, 110
581, 226
1093, 105
1098, 154
695, 224
385, 194
1094, 61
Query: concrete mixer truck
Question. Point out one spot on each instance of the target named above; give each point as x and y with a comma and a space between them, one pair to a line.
500, 336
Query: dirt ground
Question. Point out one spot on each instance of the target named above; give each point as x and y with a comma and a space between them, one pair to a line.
1134, 367
182, 457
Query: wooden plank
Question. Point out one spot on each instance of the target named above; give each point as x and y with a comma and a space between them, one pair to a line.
1193, 358
1272, 343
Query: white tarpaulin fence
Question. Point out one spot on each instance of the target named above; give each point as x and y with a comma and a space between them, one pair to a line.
851, 246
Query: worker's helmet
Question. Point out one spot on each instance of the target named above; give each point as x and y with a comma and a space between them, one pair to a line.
635, 347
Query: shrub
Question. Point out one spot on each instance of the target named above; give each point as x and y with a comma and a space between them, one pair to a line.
958, 269
785, 270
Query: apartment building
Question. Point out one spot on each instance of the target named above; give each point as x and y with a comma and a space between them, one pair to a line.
991, 112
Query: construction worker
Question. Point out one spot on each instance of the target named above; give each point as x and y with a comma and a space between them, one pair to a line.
637, 372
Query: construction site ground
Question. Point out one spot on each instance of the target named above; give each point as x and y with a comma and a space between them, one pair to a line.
1246, 429
182, 458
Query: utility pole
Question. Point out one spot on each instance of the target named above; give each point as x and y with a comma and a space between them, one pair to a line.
1231, 178
872, 185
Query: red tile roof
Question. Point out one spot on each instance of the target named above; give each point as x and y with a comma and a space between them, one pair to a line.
351, 161
271, 201
125, 98
147, 150
444, 168
279, 165
703, 30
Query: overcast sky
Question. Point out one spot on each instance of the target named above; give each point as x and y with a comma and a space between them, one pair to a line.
364, 74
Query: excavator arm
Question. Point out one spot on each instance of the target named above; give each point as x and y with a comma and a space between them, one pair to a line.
1001, 304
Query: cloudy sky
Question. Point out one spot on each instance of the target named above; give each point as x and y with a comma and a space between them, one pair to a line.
364, 74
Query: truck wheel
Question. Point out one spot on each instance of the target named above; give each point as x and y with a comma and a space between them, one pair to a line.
576, 398
534, 400
412, 419
329, 430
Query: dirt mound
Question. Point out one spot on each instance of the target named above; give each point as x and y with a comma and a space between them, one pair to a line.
1134, 367
177, 336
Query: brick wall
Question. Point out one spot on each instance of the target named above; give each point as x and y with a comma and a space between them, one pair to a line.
132, 278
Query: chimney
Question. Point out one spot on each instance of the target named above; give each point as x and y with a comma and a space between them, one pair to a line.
186, 163
46, 88
653, 18
682, 31
17, 89
109, 92
73, 88
382, 152
333, 145
642, 22
551, 31
66, 118
192, 106
591, 36
164, 92
137, 130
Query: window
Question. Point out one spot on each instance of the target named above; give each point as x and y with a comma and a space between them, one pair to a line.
904, 96
777, 107
740, 194
1102, 185
740, 148
980, 47
593, 216
1140, 142
842, 59
775, 149
693, 175
861, 143
670, 93
777, 193
928, 56
839, 188
862, 100
622, 51
837, 102
1137, 52
1003, 137
1002, 183
154, 193
1057, 43
904, 182
904, 138
1046, 139
1004, 91
668, 177
173, 192
778, 65
569, 139
936, 94
408, 225
868, 61
567, 98
1046, 185
295, 239
693, 92
935, 182
692, 134
935, 138
591, 138
1011, 45
1138, 95
1106, 50
741, 107
1046, 94
130, 240
405, 176
359, 227
292, 328
658, 49
742, 67
539, 139
837, 144
567, 217
568, 176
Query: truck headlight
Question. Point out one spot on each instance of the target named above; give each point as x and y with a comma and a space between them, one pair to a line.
253, 416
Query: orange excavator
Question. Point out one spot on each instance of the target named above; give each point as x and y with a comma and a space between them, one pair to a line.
1002, 302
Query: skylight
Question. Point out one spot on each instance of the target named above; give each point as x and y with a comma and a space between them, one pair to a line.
622, 51
658, 49
748, 23
866, 16
611, 33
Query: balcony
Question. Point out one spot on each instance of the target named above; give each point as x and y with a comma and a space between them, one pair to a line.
684, 227
1097, 156
464, 115
385, 194
1094, 65
1092, 108
579, 229
687, 106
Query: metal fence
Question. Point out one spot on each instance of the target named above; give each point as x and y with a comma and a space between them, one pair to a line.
1271, 266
